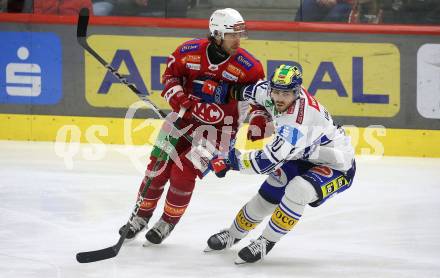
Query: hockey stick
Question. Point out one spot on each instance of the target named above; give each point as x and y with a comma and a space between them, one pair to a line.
81, 35
112, 251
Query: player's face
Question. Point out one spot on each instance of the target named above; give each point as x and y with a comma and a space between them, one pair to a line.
282, 99
231, 42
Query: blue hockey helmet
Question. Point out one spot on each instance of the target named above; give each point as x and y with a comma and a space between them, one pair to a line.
287, 78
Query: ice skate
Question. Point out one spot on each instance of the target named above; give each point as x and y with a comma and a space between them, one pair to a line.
220, 241
137, 225
254, 251
158, 233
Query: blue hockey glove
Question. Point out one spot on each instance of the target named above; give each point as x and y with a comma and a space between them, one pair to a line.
222, 164
211, 91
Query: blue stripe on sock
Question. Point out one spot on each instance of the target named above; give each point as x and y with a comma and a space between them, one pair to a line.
274, 227
289, 211
248, 217
238, 227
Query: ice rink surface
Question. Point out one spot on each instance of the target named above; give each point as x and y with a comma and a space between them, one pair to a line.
386, 225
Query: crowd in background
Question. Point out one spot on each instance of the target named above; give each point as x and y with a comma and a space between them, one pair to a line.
152, 8
348, 11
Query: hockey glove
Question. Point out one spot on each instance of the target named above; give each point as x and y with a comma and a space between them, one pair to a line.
260, 126
211, 91
222, 164
180, 99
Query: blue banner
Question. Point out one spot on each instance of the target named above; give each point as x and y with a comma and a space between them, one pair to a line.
31, 66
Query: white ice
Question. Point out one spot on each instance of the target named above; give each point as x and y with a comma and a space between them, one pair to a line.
386, 225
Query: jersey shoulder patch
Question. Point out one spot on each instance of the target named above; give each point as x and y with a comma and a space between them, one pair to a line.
289, 133
244, 60
191, 46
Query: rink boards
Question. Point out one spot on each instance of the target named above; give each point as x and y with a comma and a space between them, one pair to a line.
371, 140
382, 84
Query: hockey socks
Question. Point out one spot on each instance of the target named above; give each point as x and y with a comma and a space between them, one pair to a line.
246, 220
298, 194
283, 219
250, 216
156, 188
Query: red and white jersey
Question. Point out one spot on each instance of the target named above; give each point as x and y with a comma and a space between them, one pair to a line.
190, 62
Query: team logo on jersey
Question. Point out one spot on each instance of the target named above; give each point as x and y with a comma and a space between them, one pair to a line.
244, 61
323, 171
290, 134
229, 76
193, 66
191, 59
208, 113
189, 47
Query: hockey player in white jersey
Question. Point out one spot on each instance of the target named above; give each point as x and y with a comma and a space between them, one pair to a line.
309, 160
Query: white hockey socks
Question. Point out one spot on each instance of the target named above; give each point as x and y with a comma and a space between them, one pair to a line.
250, 216
299, 193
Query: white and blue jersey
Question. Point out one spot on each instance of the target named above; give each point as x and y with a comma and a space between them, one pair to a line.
304, 132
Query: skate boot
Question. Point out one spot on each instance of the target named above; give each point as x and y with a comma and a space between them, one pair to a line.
254, 251
137, 224
220, 241
158, 233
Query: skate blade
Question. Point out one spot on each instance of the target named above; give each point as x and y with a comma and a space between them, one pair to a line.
209, 250
147, 244
239, 261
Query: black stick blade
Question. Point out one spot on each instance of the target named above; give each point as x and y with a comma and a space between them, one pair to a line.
98, 255
83, 21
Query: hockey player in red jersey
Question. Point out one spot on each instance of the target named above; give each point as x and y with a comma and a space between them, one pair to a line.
194, 71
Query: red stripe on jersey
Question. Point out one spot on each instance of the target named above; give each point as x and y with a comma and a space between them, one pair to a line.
300, 117
312, 101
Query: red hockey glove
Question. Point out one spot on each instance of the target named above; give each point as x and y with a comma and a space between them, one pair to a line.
177, 99
260, 127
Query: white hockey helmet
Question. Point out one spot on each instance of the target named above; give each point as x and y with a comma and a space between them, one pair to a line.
227, 21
